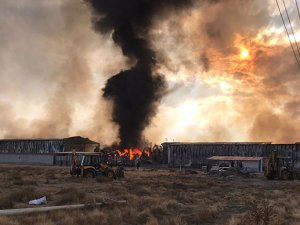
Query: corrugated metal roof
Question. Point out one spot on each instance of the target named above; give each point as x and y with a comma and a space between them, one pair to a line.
79, 140
78, 153
235, 158
217, 143
31, 139
72, 140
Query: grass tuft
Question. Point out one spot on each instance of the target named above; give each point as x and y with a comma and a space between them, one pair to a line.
71, 196
22, 195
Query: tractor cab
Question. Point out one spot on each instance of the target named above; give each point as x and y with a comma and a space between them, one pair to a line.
91, 165
92, 160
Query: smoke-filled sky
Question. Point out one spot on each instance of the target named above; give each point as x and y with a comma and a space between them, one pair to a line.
229, 70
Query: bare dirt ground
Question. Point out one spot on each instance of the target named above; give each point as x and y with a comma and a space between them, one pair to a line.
153, 197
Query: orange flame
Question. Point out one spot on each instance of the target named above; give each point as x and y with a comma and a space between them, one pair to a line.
147, 152
132, 152
122, 153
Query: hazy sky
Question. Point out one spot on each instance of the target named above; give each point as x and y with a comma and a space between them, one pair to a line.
230, 71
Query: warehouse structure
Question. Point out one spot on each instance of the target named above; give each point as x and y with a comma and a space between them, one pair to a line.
41, 151
196, 154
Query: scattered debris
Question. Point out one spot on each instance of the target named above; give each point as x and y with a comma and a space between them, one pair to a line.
230, 172
39, 201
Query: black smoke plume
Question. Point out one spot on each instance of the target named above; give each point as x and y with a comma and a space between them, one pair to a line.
135, 92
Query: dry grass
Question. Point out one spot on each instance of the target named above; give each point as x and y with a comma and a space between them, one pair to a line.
13, 197
154, 197
261, 212
71, 196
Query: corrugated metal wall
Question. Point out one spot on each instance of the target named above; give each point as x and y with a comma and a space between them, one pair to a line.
197, 153
32, 151
27, 159
31, 146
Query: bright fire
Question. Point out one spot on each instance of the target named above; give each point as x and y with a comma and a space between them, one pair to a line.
133, 152
244, 54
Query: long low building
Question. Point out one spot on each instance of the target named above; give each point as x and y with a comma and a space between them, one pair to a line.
41, 151
196, 154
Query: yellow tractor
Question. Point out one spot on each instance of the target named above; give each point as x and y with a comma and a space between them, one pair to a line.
279, 167
91, 165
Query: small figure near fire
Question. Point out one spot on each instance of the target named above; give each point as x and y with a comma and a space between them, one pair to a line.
137, 162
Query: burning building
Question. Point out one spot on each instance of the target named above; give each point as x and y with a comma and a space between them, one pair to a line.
41, 151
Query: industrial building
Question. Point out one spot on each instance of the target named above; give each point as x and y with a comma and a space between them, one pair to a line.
172, 154
41, 151
178, 154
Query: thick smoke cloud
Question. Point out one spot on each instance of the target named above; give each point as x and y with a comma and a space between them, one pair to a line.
71, 75
50, 58
256, 94
135, 92
54, 66
49, 83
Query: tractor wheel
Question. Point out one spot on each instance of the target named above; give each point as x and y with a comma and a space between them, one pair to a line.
270, 176
75, 171
285, 175
110, 174
119, 173
72, 172
89, 173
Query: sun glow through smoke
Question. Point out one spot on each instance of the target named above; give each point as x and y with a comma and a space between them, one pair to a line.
244, 54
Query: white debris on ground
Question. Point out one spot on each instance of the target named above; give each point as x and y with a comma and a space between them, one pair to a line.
39, 201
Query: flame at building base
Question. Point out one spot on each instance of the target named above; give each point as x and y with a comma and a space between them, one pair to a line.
133, 152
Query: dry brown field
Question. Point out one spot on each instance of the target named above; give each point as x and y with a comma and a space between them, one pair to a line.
153, 196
